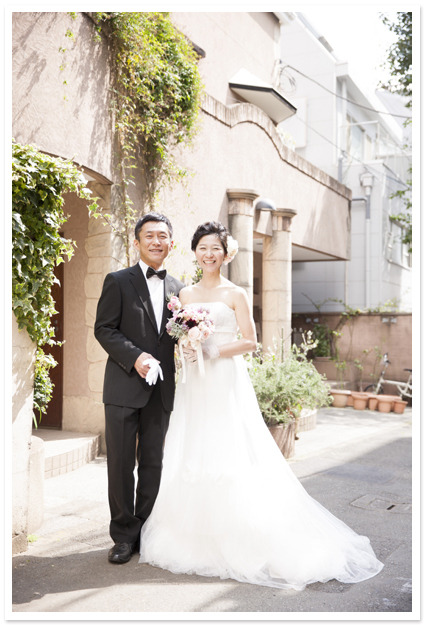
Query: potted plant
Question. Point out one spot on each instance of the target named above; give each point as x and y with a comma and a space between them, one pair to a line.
286, 386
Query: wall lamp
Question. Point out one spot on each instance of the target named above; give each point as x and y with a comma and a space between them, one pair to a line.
265, 204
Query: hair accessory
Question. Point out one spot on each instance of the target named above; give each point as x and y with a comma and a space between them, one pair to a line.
232, 249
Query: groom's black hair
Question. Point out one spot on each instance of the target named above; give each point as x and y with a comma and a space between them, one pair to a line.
210, 227
152, 217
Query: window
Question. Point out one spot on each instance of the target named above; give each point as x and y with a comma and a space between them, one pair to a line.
355, 139
399, 250
368, 148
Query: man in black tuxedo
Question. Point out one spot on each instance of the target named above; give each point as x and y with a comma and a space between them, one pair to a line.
130, 325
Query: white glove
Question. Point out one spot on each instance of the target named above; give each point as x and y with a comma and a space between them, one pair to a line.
210, 352
154, 370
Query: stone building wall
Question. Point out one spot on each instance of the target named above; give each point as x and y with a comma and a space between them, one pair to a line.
71, 120
23, 359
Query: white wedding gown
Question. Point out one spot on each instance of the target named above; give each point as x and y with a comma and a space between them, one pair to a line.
229, 505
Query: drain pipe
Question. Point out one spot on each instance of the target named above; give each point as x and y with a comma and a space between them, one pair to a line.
366, 180
361, 198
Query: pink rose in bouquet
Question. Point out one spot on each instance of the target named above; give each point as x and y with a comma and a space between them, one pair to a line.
194, 334
174, 303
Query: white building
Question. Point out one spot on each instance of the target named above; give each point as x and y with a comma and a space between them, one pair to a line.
340, 129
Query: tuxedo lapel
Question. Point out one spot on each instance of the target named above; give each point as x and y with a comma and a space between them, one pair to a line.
138, 281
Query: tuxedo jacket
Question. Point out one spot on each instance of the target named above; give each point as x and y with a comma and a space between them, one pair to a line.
125, 327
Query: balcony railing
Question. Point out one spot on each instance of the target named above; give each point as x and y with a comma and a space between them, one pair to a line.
369, 141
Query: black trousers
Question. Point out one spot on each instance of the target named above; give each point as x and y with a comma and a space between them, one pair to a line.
131, 433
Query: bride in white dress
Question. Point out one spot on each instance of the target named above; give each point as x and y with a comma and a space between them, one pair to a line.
229, 505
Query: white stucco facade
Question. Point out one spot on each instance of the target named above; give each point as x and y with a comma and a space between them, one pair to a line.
338, 129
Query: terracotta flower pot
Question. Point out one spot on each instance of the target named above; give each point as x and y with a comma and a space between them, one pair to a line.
395, 398
373, 401
360, 400
339, 397
399, 406
284, 436
385, 402
350, 400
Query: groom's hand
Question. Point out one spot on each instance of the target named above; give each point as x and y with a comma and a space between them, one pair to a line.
139, 365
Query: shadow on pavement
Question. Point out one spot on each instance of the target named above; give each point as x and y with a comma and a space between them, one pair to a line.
385, 472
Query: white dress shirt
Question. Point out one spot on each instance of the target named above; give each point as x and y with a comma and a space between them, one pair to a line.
156, 292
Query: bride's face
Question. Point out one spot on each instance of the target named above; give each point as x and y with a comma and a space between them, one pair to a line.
209, 253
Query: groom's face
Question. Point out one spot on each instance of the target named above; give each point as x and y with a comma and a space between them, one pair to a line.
154, 243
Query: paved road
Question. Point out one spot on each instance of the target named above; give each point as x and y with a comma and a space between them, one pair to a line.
362, 474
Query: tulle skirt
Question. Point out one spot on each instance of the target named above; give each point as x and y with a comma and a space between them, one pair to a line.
229, 505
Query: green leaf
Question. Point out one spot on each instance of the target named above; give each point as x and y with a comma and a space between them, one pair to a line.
38, 184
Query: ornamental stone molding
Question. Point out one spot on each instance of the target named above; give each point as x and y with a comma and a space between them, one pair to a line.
282, 219
241, 201
248, 113
267, 222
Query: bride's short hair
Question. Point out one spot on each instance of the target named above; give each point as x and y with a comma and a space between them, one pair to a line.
210, 227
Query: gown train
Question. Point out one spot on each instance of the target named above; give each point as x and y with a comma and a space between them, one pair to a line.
229, 505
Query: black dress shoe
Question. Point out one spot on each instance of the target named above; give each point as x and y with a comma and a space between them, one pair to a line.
121, 553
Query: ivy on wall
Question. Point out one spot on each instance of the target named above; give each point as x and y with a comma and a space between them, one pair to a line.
38, 184
156, 99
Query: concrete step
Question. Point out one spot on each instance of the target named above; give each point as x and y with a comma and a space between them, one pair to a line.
66, 451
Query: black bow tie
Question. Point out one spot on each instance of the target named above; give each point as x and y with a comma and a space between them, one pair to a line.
151, 272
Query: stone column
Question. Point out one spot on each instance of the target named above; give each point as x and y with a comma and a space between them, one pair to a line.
100, 251
277, 280
241, 220
105, 251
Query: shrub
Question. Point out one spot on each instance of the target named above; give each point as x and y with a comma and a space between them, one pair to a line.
285, 386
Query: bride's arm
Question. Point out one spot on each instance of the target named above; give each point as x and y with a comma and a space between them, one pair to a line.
248, 342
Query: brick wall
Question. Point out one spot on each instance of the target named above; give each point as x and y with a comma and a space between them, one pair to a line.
375, 332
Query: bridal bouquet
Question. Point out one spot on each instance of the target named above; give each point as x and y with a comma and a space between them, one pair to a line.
191, 326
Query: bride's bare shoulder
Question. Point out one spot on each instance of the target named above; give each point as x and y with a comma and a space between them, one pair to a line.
233, 288
238, 295
233, 295
188, 294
